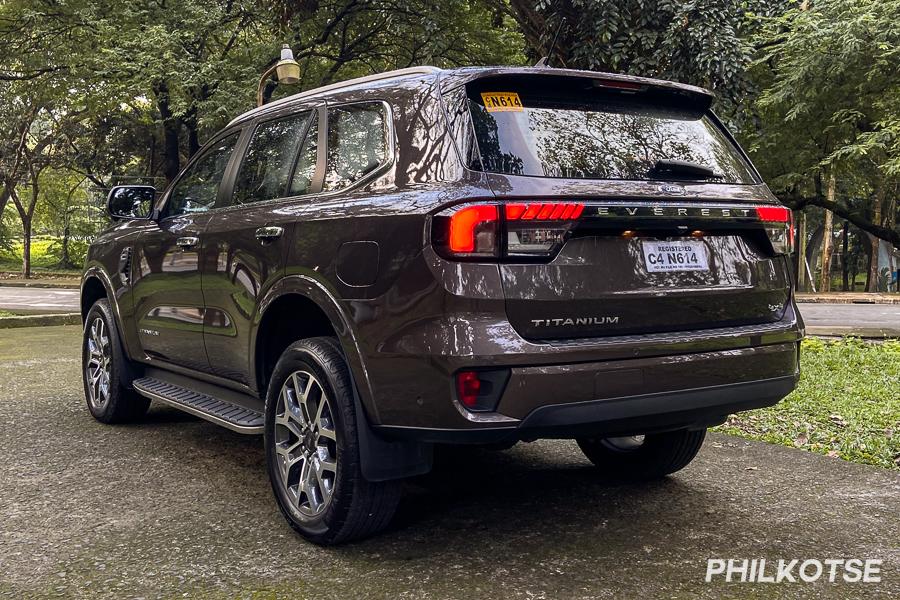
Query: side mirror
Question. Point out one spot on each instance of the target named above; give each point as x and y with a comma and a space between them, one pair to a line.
130, 201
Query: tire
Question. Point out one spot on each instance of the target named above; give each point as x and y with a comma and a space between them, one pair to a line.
641, 458
312, 448
106, 372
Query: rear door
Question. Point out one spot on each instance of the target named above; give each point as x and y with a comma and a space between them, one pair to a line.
667, 236
249, 234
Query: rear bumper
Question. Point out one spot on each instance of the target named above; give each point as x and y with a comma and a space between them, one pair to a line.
628, 415
624, 397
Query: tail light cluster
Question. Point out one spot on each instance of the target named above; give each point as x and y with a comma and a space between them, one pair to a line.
778, 222
534, 229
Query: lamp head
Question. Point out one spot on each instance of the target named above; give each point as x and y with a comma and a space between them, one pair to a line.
287, 69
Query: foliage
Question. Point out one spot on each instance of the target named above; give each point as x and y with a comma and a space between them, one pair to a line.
701, 43
846, 405
830, 101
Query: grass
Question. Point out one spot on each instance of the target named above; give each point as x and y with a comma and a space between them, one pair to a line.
6, 313
847, 404
42, 260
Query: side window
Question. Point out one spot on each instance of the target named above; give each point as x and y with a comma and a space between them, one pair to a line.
357, 143
305, 170
197, 189
266, 169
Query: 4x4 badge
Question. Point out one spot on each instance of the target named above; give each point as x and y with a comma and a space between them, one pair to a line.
671, 188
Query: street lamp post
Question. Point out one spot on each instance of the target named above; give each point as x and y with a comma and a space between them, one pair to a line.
287, 70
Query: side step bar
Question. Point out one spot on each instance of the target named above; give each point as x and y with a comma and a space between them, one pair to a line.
227, 414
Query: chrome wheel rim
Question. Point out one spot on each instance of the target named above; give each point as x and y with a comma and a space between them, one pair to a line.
624, 444
305, 444
97, 370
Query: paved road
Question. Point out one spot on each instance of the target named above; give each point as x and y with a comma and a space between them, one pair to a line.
38, 299
176, 506
858, 315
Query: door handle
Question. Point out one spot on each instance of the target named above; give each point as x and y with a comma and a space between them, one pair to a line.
187, 242
269, 234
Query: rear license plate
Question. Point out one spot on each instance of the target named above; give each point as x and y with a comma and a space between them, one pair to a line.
679, 255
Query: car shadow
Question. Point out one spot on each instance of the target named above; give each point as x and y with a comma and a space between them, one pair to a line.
499, 497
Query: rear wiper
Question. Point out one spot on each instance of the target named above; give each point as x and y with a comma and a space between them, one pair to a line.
683, 169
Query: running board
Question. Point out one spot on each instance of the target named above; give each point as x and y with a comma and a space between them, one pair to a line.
227, 414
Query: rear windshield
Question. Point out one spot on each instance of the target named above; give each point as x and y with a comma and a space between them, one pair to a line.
591, 133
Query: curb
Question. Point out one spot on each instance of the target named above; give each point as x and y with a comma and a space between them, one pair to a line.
40, 284
40, 320
803, 298
845, 331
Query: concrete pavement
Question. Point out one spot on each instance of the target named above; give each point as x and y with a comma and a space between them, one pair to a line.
178, 507
865, 320
39, 299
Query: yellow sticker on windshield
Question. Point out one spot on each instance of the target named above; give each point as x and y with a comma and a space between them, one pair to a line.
502, 101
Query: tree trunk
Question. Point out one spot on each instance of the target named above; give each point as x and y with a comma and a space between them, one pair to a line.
4, 198
193, 136
827, 246
845, 257
170, 124
26, 246
801, 251
872, 284
65, 261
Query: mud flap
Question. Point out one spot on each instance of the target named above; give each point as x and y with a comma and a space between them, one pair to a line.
383, 460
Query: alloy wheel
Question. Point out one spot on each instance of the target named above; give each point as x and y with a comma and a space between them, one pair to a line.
99, 365
305, 444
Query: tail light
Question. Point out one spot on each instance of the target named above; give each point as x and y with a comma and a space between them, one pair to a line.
778, 222
534, 229
474, 231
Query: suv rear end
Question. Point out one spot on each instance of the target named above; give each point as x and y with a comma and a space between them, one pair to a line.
616, 267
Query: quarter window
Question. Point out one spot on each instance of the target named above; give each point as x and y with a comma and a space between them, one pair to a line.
307, 160
198, 187
266, 169
357, 143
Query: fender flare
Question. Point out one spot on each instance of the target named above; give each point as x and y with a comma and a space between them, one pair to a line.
322, 296
380, 459
96, 271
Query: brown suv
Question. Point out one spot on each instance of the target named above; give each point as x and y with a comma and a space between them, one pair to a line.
479, 255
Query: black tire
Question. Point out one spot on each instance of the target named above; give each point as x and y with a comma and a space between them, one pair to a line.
120, 403
356, 508
659, 454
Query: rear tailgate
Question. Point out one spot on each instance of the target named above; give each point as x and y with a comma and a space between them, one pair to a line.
632, 267
668, 236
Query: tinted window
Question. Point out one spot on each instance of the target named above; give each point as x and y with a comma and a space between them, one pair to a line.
305, 171
267, 165
198, 187
594, 135
357, 143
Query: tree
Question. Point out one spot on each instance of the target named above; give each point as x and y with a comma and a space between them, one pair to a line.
830, 105
701, 43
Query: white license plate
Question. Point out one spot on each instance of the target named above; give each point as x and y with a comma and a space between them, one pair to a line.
680, 255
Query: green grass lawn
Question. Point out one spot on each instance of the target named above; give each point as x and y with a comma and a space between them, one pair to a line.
42, 261
847, 404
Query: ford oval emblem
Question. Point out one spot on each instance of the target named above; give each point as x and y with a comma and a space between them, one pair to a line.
671, 188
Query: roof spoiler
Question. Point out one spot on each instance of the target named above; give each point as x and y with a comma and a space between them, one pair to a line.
698, 98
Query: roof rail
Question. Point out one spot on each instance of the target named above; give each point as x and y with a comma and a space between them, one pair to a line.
424, 70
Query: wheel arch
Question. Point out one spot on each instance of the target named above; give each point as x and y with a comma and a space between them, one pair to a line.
277, 326
93, 288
